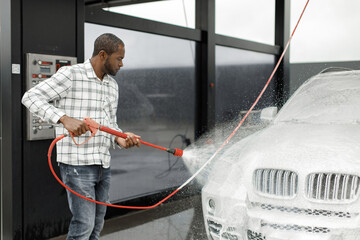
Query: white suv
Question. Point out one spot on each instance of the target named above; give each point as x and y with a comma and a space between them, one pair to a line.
299, 177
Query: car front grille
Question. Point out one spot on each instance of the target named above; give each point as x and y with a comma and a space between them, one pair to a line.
276, 182
305, 211
251, 235
332, 187
216, 228
295, 227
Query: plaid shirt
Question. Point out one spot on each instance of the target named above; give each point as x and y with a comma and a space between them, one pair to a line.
77, 92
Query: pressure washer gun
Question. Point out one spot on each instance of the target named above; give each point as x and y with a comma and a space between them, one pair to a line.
94, 127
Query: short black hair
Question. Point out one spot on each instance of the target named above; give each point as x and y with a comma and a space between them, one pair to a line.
107, 42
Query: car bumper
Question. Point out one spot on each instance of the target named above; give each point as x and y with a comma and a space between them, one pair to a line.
263, 221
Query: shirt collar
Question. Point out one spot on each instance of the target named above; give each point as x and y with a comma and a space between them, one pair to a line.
91, 73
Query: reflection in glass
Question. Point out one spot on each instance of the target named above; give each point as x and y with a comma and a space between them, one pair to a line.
240, 77
250, 20
177, 12
156, 101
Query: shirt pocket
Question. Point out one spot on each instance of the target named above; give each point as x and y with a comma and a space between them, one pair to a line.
107, 111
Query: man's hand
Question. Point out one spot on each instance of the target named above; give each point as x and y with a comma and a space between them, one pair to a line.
130, 141
74, 126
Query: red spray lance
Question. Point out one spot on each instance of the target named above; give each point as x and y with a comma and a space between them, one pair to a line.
94, 127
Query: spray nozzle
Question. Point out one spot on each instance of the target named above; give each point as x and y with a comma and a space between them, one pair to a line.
175, 151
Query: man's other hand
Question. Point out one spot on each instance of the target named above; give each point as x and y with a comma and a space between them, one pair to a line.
131, 140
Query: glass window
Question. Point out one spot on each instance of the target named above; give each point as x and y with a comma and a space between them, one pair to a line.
240, 77
328, 31
177, 12
157, 102
250, 20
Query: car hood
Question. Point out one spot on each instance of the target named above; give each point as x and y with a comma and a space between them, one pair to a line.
310, 147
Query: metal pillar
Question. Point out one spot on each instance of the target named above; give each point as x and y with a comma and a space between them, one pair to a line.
282, 34
205, 66
5, 122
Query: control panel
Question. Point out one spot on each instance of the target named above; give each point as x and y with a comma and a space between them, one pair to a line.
40, 67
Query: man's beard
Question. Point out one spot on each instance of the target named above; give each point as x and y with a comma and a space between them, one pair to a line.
108, 68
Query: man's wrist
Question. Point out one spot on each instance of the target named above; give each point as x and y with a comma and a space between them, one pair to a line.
61, 120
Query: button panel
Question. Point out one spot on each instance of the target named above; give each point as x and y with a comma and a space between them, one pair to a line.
39, 68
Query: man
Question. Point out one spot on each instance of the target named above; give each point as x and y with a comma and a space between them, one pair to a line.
78, 91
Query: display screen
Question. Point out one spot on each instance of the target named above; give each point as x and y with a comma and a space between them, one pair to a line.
44, 70
60, 63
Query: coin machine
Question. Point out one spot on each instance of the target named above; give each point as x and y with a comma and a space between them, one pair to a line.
39, 68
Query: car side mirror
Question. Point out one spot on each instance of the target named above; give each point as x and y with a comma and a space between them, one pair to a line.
268, 114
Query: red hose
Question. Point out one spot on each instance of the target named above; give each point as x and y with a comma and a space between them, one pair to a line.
89, 199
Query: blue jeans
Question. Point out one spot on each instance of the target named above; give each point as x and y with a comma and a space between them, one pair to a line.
93, 182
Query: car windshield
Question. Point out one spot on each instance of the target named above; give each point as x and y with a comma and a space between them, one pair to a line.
332, 97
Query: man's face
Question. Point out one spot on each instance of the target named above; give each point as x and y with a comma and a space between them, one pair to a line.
113, 62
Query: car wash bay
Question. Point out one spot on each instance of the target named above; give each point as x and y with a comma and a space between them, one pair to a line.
172, 102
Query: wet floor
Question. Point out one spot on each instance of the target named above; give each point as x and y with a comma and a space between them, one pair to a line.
177, 220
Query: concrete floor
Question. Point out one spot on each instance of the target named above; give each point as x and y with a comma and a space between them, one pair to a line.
176, 220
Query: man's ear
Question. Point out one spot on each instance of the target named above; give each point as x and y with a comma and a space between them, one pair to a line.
103, 55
